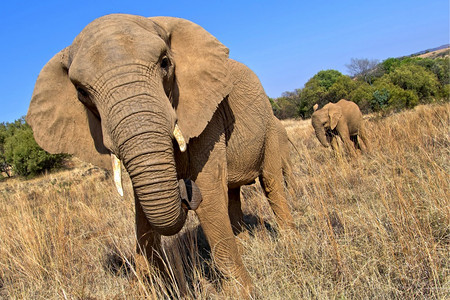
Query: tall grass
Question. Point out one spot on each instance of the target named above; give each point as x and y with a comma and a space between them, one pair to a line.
376, 227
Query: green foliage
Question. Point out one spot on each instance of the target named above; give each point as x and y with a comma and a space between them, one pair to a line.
319, 89
400, 98
286, 106
19, 150
380, 99
416, 79
363, 96
327, 78
395, 83
342, 88
390, 64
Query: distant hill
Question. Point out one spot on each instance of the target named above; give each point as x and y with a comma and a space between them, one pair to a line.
441, 51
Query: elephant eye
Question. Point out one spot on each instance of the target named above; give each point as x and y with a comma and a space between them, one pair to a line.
82, 92
165, 62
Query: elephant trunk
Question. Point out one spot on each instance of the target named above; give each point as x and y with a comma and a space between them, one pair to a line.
320, 132
144, 142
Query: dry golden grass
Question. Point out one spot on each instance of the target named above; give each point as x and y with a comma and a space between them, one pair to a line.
378, 227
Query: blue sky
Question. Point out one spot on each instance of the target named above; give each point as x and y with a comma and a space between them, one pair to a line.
284, 42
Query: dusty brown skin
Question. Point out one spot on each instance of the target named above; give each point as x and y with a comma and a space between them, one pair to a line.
284, 146
344, 119
122, 86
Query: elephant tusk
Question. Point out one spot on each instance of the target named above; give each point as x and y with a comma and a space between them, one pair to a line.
117, 174
179, 137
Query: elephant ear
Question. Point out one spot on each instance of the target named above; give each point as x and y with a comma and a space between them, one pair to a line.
334, 113
60, 122
315, 107
201, 72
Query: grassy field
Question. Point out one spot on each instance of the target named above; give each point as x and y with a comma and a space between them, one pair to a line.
374, 228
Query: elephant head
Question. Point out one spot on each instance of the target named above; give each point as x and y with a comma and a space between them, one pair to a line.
324, 120
126, 87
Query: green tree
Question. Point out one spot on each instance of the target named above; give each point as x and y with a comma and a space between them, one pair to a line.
316, 90
380, 99
4, 166
342, 88
390, 65
327, 78
363, 96
21, 151
286, 106
417, 79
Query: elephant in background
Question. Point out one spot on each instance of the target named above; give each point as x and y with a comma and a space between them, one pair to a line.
189, 125
343, 119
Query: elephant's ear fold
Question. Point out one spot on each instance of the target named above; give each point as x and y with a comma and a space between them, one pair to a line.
201, 72
335, 113
61, 123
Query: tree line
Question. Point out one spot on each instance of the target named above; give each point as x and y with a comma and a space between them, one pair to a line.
394, 84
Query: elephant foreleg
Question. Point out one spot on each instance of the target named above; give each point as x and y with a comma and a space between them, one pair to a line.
214, 219
211, 176
335, 146
345, 136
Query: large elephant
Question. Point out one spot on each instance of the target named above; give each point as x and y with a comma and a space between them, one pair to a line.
129, 86
343, 119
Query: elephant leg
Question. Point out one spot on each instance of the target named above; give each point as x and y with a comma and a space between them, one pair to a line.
211, 176
235, 211
364, 141
335, 146
271, 179
345, 136
214, 219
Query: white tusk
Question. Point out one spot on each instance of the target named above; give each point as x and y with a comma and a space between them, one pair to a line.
117, 174
179, 137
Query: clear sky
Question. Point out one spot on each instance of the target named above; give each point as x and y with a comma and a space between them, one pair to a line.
284, 42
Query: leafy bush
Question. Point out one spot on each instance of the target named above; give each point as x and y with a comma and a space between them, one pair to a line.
380, 99
19, 150
416, 79
342, 88
363, 96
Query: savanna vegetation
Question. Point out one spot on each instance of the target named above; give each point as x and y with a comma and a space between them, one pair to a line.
20, 154
373, 228
392, 85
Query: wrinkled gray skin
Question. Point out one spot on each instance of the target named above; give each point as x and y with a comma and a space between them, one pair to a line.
343, 119
122, 86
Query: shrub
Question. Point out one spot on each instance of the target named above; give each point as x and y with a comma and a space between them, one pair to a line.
21, 151
363, 96
380, 99
416, 78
